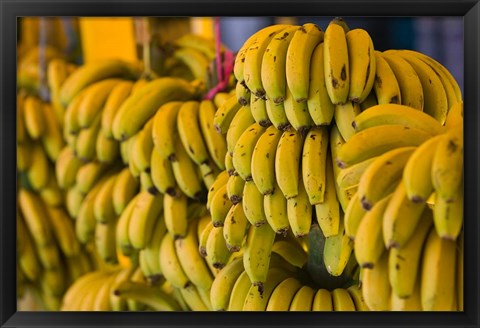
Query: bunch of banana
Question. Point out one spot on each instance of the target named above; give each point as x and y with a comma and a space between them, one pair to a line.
186, 153
49, 257
119, 289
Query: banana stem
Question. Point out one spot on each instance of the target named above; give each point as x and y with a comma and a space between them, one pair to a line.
146, 41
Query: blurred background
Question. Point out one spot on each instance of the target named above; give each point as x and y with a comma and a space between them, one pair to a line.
86, 39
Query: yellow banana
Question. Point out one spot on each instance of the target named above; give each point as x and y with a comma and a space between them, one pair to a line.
235, 228
215, 142
314, 157
435, 97
411, 89
252, 201
381, 177
242, 153
189, 131
87, 140
235, 185
239, 292
345, 115
191, 261
369, 244
337, 251
219, 206
401, 209
412, 303
184, 170
336, 64
238, 68
454, 116
223, 284
362, 63
319, 105
229, 164
322, 301
175, 215
303, 299
152, 251
299, 53
154, 297
220, 181
273, 71
242, 94
263, 160
357, 297
162, 174
225, 114
105, 241
351, 175
377, 140
417, 176
39, 171
119, 93
241, 121
170, 263
299, 212
36, 220
257, 253
94, 98
125, 188
103, 205
193, 299
142, 148
287, 162
195, 60
297, 112
397, 114
386, 86
376, 288
448, 215
216, 248
258, 109
137, 109
200, 43
257, 298
107, 150
88, 175
276, 212
328, 212
283, 295
66, 168
144, 215
252, 66
353, 216
52, 138
73, 201
203, 237
370, 101
292, 252
437, 287
33, 116
63, 230
164, 130
341, 300
447, 165
91, 73
404, 262
276, 115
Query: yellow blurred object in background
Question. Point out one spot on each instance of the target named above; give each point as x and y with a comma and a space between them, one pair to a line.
202, 26
108, 38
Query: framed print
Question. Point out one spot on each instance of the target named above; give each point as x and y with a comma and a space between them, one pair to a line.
223, 163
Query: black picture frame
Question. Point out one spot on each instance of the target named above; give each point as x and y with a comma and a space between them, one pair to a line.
11, 9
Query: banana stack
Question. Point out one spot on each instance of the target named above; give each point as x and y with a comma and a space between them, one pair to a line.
407, 208
327, 177
119, 288
49, 256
